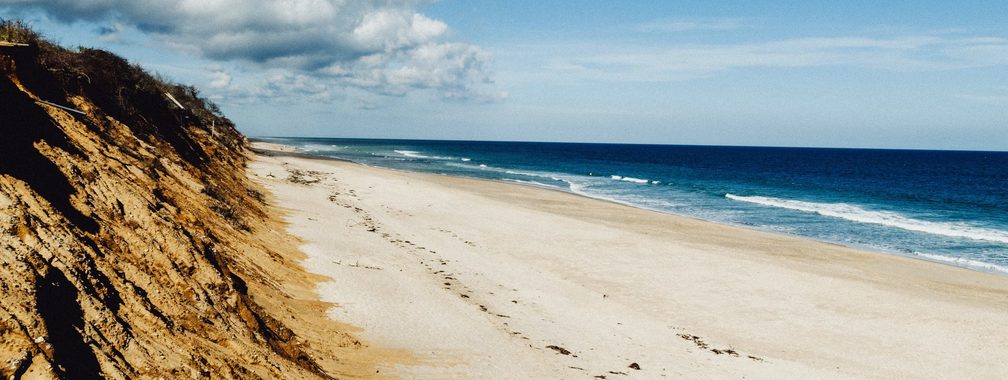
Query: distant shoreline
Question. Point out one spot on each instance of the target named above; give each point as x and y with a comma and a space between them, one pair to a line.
273, 138
280, 149
485, 276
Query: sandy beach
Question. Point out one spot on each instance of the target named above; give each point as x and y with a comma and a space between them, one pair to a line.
480, 279
468, 190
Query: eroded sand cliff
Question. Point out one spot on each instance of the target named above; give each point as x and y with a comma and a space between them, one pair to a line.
133, 245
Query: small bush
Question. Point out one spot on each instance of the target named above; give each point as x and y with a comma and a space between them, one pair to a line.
17, 31
125, 92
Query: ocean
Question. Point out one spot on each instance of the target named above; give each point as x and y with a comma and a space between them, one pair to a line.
944, 206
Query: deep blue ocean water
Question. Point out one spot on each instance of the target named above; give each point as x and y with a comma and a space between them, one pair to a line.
946, 206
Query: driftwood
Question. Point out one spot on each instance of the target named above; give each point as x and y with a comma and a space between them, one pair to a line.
13, 44
172, 98
60, 107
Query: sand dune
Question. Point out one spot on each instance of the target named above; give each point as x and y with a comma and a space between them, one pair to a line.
482, 279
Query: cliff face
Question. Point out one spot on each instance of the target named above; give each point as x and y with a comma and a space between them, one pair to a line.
132, 244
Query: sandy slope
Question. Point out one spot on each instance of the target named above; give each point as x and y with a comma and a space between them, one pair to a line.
133, 245
478, 279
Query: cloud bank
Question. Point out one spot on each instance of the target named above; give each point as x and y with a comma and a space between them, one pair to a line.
913, 53
383, 46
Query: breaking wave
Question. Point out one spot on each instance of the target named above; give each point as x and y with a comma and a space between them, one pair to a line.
415, 154
634, 180
885, 218
963, 262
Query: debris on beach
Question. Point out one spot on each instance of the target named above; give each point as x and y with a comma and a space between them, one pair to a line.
559, 349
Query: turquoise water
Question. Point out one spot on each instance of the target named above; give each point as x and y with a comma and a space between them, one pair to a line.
944, 206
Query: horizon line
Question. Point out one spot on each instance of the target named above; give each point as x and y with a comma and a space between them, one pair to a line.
634, 143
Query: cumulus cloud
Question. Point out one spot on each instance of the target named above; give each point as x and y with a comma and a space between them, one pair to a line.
219, 79
446, 66
281, 87
385, 46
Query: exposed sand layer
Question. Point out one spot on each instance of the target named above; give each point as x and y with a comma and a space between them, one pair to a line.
132, 243
482, 279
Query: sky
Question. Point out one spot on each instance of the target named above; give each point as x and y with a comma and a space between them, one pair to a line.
898, 74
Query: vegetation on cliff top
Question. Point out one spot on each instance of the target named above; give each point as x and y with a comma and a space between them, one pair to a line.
134, 245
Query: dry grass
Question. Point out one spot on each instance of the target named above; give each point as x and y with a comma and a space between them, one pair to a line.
17, 31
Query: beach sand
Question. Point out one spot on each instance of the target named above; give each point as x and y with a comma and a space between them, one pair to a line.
481, 279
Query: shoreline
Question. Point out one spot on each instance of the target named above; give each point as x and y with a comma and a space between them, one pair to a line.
492, 279
972, 265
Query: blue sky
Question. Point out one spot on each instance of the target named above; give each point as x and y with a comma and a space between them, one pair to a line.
850, 74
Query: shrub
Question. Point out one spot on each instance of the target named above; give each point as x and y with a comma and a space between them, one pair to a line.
18, 31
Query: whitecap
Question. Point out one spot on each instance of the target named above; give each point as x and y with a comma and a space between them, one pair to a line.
532, 183
534, 174
886, 218
629, 179
411, 153
963, 262
415, 154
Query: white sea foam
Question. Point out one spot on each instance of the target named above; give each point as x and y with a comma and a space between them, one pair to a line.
535, 174
581, 189
629, 179
886, 218
583, 185
464, 159
411, 153
316, 148
533, 183
555, 177
415, 154
963, 262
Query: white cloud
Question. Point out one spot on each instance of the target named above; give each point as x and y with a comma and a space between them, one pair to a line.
282, 87
681, 25
391, 29
984, 99
901, 54
219, 80
380, 45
